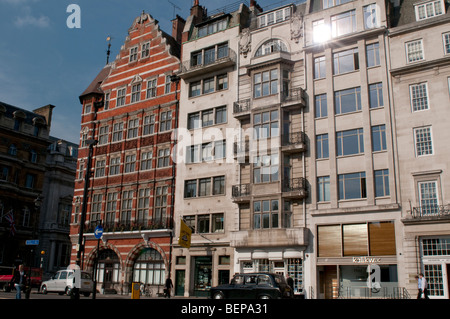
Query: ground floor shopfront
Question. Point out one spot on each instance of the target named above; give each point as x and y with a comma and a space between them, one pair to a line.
288, 261
197, 269
119, 259
357, 260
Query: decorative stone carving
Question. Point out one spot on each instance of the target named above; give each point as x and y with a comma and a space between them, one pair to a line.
245, 43
296, 27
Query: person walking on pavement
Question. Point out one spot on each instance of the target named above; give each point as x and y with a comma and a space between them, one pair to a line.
19, 280
423, 286
168, 287
419, 293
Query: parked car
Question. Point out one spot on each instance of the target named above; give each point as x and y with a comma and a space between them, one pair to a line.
62, 282
254, 286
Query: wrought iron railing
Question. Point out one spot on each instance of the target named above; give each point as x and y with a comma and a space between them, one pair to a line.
220, 56
241, 106
240, 190
139, 225
294, 138
431, 211
294, 184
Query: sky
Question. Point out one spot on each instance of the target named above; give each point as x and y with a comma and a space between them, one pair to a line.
44, 60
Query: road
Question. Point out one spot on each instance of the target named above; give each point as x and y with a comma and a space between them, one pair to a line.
36, 295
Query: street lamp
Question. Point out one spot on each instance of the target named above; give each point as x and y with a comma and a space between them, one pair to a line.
91, 143
37, 205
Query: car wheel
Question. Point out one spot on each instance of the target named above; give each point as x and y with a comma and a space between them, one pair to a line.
44, 290
68, 291
86, 294
218, 295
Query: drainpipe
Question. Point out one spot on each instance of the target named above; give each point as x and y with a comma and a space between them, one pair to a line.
176, 79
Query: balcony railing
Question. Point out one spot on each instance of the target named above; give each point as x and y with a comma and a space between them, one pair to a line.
294, 142
147, 224
242, 107
222, 58
294, 188
294, 184
293, 95
434, 211
239, 191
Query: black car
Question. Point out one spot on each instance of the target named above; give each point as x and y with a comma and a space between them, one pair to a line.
254, 286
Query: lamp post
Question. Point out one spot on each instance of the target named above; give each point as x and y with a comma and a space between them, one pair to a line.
37, 205
91, 143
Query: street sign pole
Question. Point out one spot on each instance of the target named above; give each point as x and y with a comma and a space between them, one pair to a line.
98, 233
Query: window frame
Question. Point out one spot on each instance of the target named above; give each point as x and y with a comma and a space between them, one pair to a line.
424, 148
348, 178
338, 95
341, 59
345, 137
423, 101
411, 56
266, 217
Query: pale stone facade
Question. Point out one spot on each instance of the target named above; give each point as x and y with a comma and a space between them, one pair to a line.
420, 70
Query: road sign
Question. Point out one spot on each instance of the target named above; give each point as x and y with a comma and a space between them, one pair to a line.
98, 232
32, 242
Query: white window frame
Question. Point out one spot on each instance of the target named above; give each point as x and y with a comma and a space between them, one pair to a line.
423, 15
121, 99
418, 42
431, 140
446, 42
435, 182
425, 89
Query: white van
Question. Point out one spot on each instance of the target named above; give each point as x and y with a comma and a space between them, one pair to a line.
62, 282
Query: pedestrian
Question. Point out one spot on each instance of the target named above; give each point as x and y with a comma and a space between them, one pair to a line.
419, 288
18, 280
423, 286
290, 283
168, 287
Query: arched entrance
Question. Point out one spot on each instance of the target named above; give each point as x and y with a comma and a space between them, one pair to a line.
149, 267
108, 270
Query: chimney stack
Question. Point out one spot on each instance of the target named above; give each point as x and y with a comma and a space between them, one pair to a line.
198, 11
177, 28
254, 5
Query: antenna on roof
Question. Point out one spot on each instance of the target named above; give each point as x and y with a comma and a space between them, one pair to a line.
108, 52
174, 7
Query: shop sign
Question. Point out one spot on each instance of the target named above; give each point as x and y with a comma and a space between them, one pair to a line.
366, 260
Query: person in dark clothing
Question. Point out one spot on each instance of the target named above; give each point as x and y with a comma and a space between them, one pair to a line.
19, 280
168, 287
290, 283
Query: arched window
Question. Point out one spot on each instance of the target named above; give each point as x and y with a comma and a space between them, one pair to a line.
149, 268
271, 46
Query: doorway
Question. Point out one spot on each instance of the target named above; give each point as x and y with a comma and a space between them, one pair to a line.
180, 276
202, 276
108, 269
329, 287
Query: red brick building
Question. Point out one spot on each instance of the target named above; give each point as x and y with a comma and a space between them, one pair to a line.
130, 109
